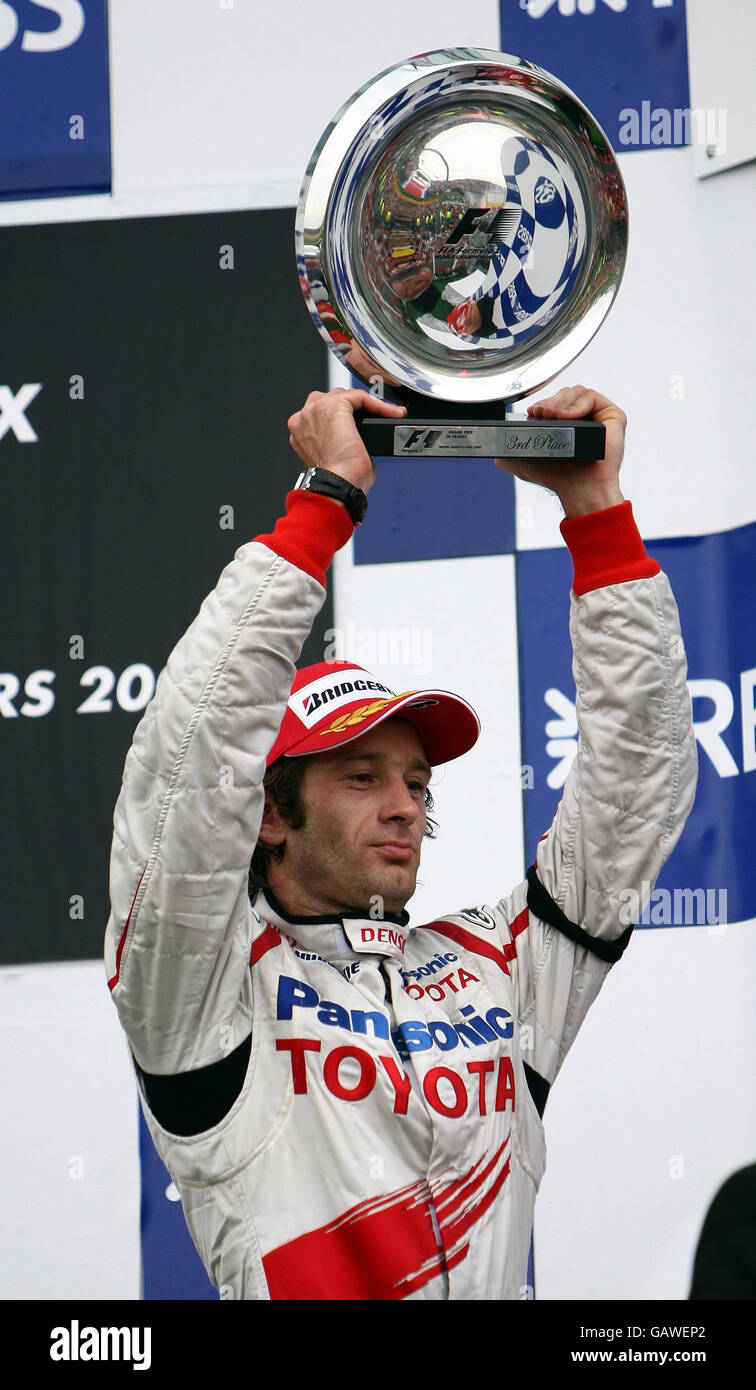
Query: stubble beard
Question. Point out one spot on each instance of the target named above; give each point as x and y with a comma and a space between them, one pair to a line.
337, 874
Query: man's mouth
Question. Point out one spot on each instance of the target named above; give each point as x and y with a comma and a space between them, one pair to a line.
396, 849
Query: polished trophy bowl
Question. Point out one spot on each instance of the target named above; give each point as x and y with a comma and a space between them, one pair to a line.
461, 230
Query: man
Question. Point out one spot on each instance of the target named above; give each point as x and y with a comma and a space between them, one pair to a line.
350, 1107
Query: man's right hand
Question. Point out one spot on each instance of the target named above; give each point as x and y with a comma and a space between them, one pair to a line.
324, 434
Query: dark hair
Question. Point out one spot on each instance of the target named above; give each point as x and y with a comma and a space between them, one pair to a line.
283, 783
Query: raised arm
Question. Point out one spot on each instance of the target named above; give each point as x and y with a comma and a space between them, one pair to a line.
186, 822
632, 783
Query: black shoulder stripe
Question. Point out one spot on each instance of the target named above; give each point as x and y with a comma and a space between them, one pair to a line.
542, 904
193, 1101
538, 1087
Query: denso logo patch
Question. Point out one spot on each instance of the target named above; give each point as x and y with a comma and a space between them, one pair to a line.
328, 693
385, 936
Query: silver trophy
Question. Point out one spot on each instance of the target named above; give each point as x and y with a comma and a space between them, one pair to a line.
461, 234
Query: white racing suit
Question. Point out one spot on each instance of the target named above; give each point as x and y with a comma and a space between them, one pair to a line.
368, 1095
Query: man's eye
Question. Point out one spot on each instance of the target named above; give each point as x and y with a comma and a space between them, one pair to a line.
418, 787
361, 776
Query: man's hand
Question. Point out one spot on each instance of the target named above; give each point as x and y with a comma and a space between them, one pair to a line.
324, 434
580, 487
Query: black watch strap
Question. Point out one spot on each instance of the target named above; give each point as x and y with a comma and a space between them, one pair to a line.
331, 485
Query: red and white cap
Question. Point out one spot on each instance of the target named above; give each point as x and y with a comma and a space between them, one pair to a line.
334, 702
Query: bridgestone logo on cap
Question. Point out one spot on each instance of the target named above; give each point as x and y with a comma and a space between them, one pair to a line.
313, 701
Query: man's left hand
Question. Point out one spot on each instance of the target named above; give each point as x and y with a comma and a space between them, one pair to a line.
324, 434
580, 487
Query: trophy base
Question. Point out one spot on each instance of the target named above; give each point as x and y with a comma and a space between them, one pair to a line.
476, 431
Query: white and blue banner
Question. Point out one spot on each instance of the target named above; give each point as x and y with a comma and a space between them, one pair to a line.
710, 877
428, 509
171, 1267
55, 99
626, 60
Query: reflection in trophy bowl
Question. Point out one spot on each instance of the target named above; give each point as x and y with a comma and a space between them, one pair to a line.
363, 366
462, 227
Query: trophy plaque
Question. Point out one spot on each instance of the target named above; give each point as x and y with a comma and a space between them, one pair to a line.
461, 234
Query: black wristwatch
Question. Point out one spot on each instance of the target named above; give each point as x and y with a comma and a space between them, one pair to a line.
331, 485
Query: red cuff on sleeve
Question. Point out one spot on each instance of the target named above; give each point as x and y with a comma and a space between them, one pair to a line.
606, 548
314, 528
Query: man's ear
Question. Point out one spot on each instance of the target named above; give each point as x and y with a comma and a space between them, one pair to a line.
272, 827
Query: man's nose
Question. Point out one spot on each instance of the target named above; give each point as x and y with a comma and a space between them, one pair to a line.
399, 801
